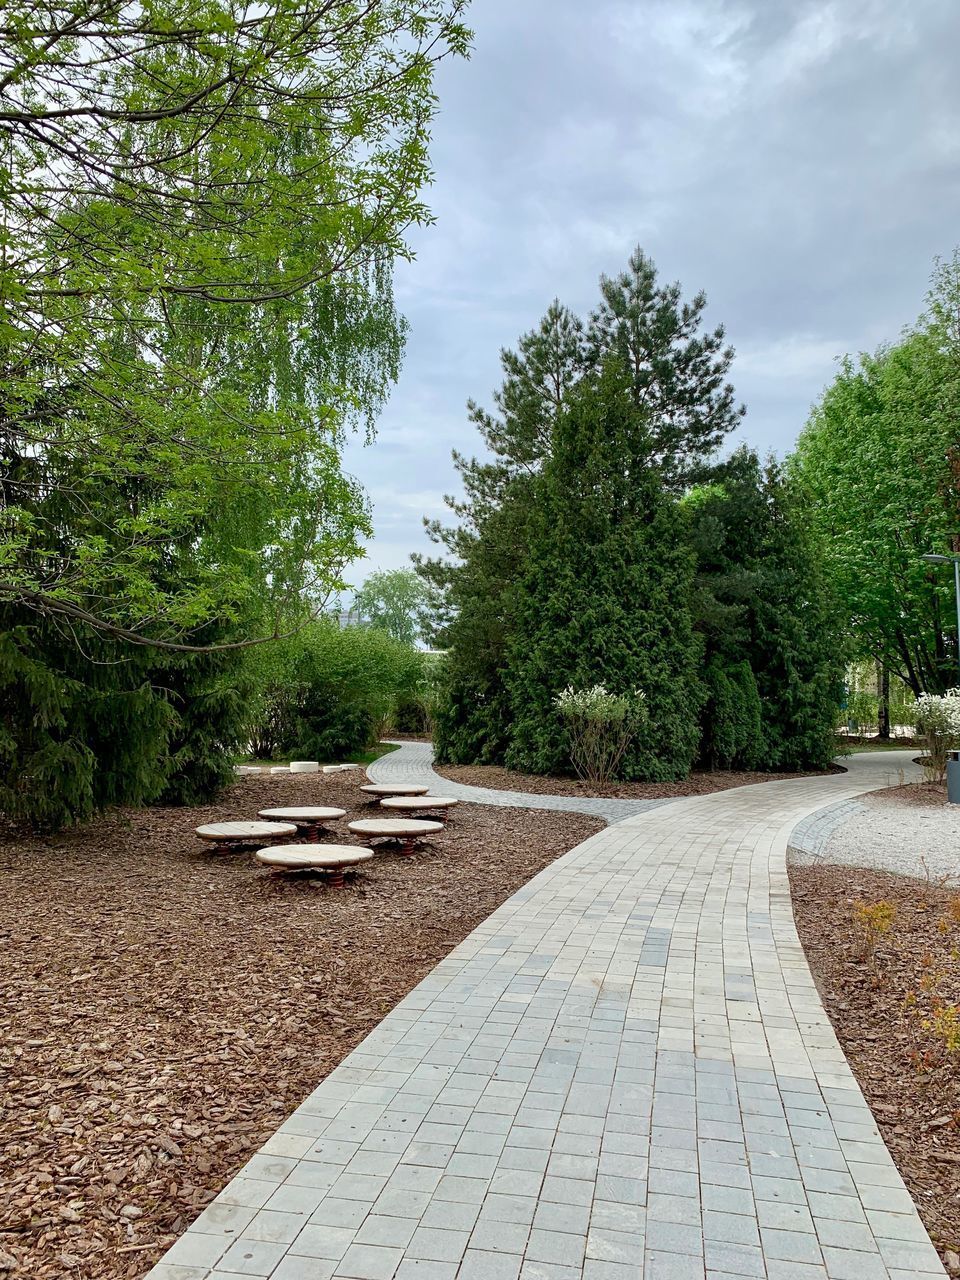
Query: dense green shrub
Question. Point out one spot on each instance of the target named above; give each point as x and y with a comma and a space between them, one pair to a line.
76, 736
329, 692
762, 599
731, 724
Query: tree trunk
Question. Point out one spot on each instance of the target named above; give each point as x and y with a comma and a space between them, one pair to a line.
883, 702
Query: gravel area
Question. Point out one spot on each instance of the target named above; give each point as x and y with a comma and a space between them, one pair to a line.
909, 830
165, 1008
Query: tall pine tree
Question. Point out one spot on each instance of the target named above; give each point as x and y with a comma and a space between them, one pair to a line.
672, 373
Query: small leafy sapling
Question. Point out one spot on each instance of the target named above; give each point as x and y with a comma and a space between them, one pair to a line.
874, 921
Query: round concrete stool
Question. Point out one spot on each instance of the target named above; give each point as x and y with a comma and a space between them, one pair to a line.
406, 832
228, 836
419, 804
304, 766
331, 859
279, 768
309, 820
378, 790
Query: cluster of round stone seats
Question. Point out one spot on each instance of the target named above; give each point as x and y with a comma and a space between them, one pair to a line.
330, 859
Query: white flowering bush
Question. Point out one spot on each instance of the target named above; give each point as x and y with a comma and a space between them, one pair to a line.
937, 721
600, 727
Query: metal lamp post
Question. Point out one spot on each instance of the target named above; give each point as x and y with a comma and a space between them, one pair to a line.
953, 763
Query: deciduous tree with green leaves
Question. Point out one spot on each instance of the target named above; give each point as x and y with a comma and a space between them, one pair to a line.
200, 207
879, 462
395, 601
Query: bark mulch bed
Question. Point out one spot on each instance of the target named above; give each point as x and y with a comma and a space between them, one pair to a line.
923, 794
895, 1016
164, 1008
697, 784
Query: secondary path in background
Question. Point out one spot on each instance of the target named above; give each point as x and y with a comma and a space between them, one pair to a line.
413, 762
624, 1072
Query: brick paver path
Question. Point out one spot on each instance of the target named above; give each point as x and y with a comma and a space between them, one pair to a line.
625, 1073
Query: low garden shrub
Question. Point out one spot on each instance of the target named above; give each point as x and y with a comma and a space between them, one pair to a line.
600, 727
937, 721
732, 720
329, 692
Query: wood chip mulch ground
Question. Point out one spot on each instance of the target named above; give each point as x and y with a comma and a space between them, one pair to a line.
697, 784
896, 1018
164, 1007
922, 794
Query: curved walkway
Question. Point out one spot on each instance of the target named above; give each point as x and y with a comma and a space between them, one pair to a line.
625, 1073
413, 762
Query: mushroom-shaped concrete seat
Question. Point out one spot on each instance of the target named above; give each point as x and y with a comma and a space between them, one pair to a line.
418, 804
310, 819
377, 790
331, 859
227, 836
407, 832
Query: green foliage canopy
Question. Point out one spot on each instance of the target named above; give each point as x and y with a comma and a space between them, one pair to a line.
201, 205
393, 600
880, 466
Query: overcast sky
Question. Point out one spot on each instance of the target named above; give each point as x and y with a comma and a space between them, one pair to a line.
799, 160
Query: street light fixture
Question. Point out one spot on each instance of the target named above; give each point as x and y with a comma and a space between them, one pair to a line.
955, 561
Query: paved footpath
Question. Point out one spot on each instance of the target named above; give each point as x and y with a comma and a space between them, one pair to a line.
625, 1073
414, 763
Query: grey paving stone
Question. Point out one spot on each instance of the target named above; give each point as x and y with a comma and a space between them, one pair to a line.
294, 1268
790, 1246
369, 1262
734, 1259
252, 1257
663, 1236
729, 1228
420, 1269
479, 1264
322, 1241
197, 1250
671, 1266
379, 1229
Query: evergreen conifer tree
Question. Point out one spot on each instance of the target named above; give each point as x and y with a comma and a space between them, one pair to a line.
672, 373
768, 619
604, 597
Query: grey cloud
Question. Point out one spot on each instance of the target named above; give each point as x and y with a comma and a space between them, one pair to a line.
797, 159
